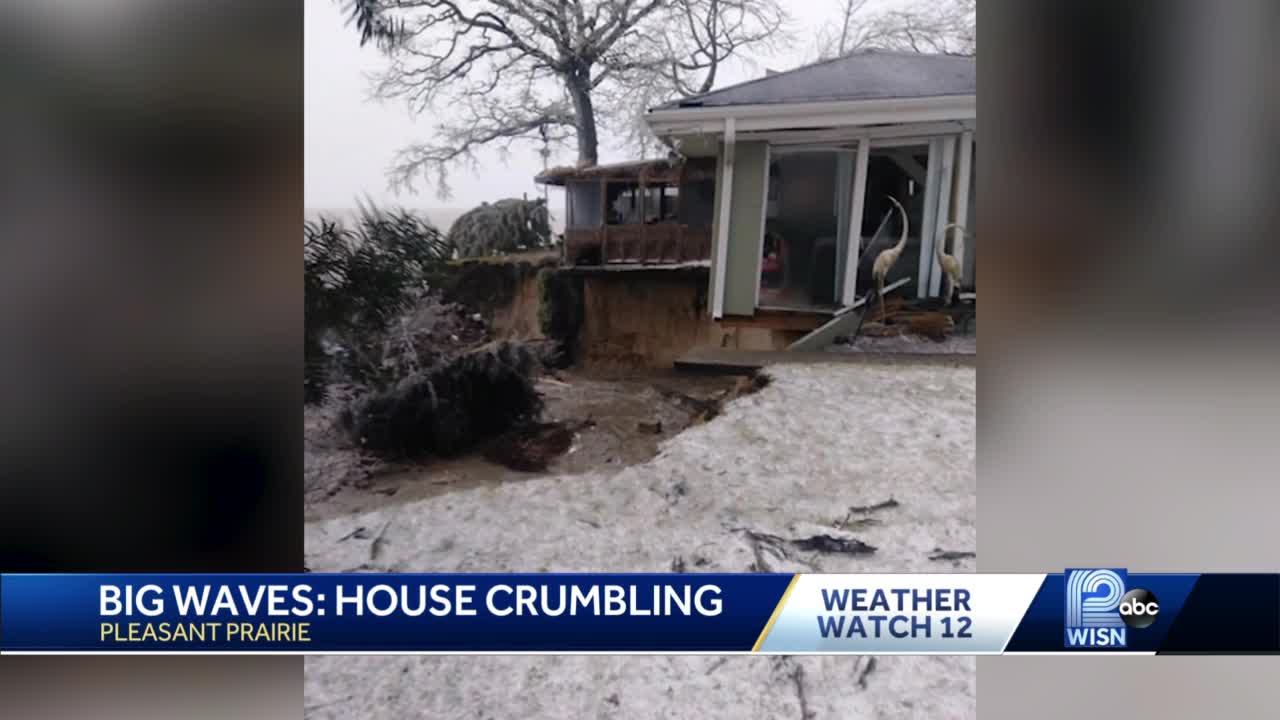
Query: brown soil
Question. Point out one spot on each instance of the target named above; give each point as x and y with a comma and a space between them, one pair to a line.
629, 419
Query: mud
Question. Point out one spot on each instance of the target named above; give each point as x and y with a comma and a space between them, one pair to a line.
630, 419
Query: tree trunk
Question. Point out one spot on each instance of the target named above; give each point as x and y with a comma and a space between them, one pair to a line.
585, 114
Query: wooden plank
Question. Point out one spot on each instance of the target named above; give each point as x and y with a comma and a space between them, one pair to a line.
840, 324
777, 320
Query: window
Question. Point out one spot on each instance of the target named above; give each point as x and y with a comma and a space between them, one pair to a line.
624, 206
584, 209
697, 203
661, 204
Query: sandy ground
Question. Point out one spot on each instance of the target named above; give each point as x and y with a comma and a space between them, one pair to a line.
789, 460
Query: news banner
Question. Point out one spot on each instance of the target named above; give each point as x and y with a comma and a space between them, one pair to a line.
1079, 611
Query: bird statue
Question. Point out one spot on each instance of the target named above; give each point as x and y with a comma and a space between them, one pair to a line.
887, 258
950, 264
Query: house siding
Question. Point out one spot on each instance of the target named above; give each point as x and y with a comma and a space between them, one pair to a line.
717, 198
746, 214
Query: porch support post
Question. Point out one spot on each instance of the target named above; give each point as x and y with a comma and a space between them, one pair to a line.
945, 184
764, 219
964, 176
857, 204
929, 219
722, 229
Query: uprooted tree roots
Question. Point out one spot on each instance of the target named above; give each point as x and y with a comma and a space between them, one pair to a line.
531, 448
706, 409
450, 408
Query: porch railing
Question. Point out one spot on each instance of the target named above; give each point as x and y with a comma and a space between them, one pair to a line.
650, 244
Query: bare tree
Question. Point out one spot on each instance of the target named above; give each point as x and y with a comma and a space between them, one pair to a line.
711, 32
848, 36
686, 60
498, 72
927, 26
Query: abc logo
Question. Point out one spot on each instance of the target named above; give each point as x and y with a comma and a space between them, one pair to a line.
1138, 608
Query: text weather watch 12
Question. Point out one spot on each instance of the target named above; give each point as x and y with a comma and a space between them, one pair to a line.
1100, 608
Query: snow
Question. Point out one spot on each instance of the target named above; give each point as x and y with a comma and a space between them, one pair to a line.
646, 267
911, 344
788, 460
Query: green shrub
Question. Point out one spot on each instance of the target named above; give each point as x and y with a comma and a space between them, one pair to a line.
358, 280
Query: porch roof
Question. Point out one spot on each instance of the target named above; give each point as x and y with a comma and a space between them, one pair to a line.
654, 171
867, 75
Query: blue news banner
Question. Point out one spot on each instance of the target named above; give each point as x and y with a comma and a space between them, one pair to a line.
1083, 610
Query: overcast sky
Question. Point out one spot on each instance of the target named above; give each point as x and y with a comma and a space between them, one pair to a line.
350, 140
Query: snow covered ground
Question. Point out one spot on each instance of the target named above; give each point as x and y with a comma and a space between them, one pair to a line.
913, 344
789, 460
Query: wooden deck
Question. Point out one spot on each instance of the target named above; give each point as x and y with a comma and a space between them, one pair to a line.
791, 320
727, 361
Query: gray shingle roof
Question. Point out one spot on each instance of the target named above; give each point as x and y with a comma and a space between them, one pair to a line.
869, 75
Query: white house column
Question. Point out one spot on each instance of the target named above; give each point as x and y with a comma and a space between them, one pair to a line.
929, 219
856, 206
947, 174
764, 219
722, 234
964, 176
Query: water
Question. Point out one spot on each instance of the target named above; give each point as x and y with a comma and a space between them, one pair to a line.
442, 218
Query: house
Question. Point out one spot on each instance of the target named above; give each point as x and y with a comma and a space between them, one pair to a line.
637, 214
804, 164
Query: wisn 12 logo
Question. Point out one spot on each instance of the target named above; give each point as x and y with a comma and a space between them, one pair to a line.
1100, 610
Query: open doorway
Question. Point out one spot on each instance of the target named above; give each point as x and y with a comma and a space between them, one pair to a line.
807, 217
799, 250
903, 173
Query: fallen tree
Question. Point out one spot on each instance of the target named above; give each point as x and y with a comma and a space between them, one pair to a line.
449, 408
358, 282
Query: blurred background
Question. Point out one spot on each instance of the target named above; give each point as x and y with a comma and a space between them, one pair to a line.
150, 300
1128, 397
150, 323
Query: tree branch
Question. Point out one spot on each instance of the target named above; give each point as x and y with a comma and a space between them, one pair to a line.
510, 70
482, 123
940, 26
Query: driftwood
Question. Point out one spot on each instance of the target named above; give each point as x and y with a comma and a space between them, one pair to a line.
830, 544
864, 509
795, 672
851, 523
934, 325
783, 547
866, 670
940, 554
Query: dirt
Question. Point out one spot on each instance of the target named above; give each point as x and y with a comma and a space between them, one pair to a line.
629, 418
